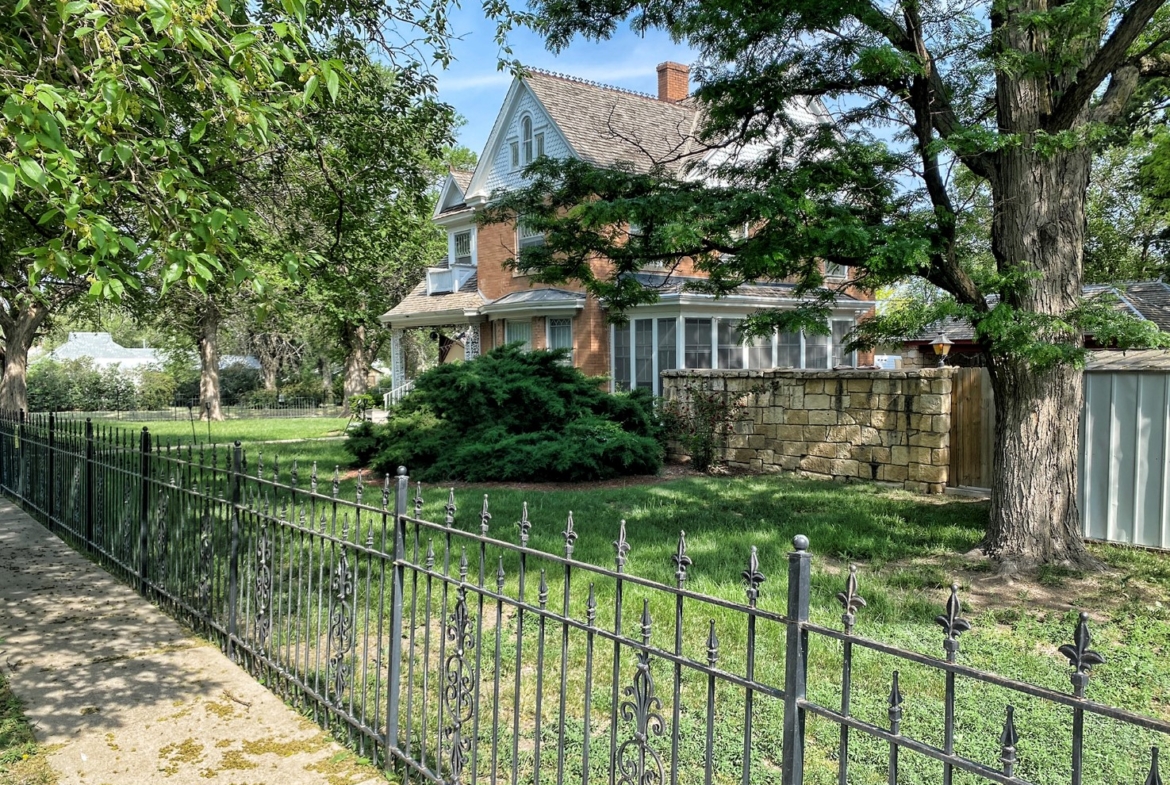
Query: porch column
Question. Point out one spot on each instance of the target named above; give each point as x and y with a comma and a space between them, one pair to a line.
397, 360
471, 343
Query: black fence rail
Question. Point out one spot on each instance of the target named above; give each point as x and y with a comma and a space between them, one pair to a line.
455, 652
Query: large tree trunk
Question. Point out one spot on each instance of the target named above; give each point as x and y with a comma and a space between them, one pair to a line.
355, 381
20, 330
209, 402
1039, 226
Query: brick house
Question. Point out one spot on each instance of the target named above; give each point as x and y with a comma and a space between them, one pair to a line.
474, 303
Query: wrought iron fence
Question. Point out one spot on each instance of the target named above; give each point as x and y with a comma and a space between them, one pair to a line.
190, 410
456, 652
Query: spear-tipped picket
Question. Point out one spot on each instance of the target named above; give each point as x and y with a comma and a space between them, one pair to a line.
894, 703
361, 484
952, 623
336, 481
485, 517
525, 525
752, 577
1155, 776
1007, 742
850, 600
1080, 656
418, 500
449, 509
712, 645
569, 535
621, 548
681, 560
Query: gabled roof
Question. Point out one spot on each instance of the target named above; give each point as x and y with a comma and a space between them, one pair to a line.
418, 305
1148, 300
453, 193
607, 126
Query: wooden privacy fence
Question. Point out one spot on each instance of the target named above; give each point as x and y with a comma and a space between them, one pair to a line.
972, 428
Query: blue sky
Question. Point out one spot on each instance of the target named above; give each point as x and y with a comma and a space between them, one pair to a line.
476, 89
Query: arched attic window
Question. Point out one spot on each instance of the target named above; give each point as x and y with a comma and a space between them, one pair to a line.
526, 138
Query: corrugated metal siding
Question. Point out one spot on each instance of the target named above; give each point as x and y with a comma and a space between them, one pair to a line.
1125, 458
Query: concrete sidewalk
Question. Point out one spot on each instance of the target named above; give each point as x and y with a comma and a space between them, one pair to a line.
124, 695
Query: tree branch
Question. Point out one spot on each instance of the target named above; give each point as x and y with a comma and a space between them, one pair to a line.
1108, 58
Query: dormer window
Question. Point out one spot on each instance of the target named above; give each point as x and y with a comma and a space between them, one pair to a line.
462, 248
835, 270
526, 138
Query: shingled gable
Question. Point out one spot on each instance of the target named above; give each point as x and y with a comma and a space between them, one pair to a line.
603, 125
453, 192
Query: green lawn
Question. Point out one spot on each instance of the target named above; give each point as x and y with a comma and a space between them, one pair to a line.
245, 430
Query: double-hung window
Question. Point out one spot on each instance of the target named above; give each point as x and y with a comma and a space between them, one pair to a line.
644, 353
697, 343
816, 350
667, 349
730, 349
520, 330
462, 248
788, 350
621, 356
560, 335
527, 236
841, 328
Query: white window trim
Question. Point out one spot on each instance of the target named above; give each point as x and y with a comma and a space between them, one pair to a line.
519, 321
572, 336
451, 232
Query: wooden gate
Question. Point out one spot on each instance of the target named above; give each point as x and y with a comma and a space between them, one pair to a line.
972, 428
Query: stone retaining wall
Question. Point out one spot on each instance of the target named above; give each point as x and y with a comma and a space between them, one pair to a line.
889, 426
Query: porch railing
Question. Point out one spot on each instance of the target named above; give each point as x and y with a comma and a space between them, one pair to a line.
455, 651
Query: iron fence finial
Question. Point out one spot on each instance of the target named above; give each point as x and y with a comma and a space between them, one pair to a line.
952, 623
525, 525
1080, 656
450, 508
850, 600
681, 560
485, 517
569, 535
621, 547
1007, 742
1155, 776
752, 577
712, 645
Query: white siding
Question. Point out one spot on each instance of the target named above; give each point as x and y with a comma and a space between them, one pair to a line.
501, 174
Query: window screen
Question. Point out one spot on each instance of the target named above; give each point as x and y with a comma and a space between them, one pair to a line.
529, 237
788, 351
697, 343
816, 351
667, 347
644, 353
621, 356
730, 350
841, 330
760, 352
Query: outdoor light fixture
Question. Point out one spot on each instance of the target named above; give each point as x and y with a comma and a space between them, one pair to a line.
941, 346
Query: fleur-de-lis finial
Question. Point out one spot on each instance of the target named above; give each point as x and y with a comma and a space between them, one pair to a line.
418, 500
1155, 776
752, 577
712, 646
591, 607
850, 600
895, 706
953, 625
485, 517
336, 481
569, 535
621, 548
1007, 742
1080, 656
681, 560
450, 508
646, 622
525, 525
500, 576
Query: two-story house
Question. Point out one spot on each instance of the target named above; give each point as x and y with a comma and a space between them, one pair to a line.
475, 300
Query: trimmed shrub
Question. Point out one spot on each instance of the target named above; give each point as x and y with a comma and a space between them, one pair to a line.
513, 416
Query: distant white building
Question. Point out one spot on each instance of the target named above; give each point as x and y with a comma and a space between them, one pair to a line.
103, 351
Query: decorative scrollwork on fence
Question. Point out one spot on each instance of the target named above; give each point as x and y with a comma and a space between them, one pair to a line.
458, 695
637, 762
341, 627
263, 587
850, 600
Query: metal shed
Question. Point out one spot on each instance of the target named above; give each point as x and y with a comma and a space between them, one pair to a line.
1125, 448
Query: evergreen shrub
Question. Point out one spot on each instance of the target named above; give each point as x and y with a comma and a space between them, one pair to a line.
513, 416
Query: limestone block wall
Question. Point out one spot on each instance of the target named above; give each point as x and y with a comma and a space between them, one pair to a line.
888, 426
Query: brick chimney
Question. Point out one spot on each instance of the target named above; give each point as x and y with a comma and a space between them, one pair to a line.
673, 82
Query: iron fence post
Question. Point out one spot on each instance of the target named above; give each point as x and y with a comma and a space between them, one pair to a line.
394, 678
796, 662
89, 483
234, 549
143, 508
50, 502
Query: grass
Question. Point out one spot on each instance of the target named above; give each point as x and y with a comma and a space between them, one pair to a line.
22, 760
245, 430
